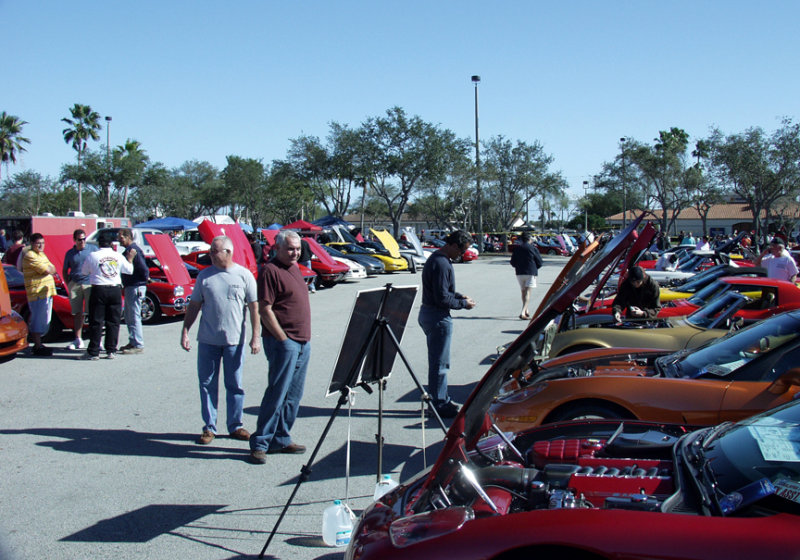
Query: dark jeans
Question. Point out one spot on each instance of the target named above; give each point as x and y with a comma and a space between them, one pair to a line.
438, 328
105, 307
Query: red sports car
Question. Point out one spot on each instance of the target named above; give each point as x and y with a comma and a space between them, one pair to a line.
592, 489
62, 313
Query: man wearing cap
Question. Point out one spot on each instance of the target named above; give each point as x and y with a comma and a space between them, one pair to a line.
639, 296
778, 262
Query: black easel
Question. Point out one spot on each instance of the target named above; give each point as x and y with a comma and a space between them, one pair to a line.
372, 353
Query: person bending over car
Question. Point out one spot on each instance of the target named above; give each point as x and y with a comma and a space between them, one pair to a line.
639, 296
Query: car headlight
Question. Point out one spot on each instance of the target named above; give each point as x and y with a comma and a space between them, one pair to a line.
177, 291
429, 525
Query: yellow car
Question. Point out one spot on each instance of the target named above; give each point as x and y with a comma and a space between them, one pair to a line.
391, 264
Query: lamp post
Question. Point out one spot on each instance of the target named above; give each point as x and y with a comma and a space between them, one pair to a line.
108, 141
585, 208
476, 80
624, 186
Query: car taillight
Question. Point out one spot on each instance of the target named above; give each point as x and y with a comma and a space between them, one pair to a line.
429, 525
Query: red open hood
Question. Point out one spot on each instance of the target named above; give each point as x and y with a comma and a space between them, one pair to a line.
169, 258
242, 252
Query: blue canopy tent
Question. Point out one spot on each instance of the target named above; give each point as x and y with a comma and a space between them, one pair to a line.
169, 224
275, 226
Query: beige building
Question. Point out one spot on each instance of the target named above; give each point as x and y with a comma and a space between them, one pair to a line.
722, 219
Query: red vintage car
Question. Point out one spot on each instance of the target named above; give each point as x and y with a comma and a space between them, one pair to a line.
62, 313
592, 489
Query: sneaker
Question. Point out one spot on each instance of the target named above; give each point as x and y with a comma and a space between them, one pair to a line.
127, 347
42, 351
87, 356
240, 434
111, 356
132, 350
258, 456
448, 409
76, 344
206, 437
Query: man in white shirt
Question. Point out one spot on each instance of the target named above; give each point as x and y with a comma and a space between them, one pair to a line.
778, 262
104, 268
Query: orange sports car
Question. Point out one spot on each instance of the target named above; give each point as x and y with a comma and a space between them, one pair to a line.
743, 373
13, 330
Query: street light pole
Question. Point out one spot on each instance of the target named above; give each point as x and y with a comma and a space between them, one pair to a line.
585, 208
624, 187
108, 141
476, 80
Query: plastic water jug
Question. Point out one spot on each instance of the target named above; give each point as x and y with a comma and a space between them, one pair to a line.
337, 524
383, 486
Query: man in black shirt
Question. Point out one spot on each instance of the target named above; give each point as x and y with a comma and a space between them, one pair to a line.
439, 296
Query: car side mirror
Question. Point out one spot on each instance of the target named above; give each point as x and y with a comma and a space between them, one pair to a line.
785, 381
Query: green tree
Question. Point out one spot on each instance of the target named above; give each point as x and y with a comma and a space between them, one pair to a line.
760, 169
11, 139
129, 163
28, 193
244, 184
287, 194
83, 126
401, 153
333, 171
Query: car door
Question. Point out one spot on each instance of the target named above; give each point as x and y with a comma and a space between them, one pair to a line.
750, 393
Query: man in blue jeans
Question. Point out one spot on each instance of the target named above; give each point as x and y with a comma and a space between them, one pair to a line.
439, 296
134, 288
283, 304
223, 291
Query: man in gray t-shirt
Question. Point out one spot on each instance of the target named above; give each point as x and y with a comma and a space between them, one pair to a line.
222, 291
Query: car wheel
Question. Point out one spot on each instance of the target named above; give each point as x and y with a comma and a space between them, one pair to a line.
412, 265
588, 411
151, 310
552, 252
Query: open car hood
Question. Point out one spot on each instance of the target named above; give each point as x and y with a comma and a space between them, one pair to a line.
471, 421
387, 241
169, 258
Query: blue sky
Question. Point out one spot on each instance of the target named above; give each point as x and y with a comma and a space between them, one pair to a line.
203, 80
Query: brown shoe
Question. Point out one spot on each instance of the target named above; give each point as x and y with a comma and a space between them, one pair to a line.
258, 456
240, 434
206, 438
293, 448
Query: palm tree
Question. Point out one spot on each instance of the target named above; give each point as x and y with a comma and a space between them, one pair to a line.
10, 139
83, 126
131, 162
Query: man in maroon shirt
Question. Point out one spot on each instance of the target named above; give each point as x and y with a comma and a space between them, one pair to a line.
286, 333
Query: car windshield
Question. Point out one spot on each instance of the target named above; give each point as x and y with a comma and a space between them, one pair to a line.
715, 311
701, 280
734, 350
754, 459
710, 292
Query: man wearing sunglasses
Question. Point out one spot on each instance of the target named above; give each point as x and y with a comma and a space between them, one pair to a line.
78, 284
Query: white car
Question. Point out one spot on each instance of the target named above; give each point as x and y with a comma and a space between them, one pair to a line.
356, 271
138, 238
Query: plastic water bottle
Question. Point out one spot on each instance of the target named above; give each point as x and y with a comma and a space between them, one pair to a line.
337, 524
383, 486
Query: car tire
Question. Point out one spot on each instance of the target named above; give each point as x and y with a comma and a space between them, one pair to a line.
151, 310
588, 411
552, 252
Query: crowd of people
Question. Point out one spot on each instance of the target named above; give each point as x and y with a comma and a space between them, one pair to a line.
277, 304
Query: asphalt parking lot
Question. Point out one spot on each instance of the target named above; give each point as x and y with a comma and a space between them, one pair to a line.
100, 461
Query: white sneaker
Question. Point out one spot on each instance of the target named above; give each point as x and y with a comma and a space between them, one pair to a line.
111, 356
76, 344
